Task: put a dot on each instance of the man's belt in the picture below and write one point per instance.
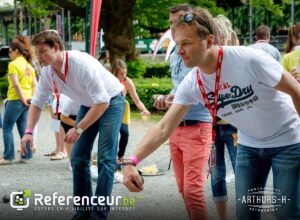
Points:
(189, 123)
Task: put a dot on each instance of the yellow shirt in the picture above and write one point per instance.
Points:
(19, 66)
(126, 117)
(291, 60)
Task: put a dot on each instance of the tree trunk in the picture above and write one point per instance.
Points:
(117, 23)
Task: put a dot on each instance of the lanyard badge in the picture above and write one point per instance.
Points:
(212, 109)
(56, 93)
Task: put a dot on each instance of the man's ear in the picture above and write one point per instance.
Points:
(56, 47)
(210, 40)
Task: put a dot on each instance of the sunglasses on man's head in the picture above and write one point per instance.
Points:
(189, 17)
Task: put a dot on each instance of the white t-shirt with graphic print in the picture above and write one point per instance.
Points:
(264, 116)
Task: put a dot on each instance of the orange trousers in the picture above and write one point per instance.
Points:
(190, 149)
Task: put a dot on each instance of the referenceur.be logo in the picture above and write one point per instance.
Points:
(20, 200)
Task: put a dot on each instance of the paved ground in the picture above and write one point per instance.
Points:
(160, 199)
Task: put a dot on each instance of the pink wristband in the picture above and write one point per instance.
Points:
(29, 130)
(134, 159)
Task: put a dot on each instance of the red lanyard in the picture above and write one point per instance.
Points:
(56, 93)
(213, 111)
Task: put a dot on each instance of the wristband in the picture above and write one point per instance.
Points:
(134, 159)
(29, 130)
(30, 133)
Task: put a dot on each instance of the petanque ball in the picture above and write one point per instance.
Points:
(5, 199)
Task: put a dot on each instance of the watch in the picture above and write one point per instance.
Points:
(78, 130)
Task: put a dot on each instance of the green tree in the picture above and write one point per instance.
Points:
(153, 16)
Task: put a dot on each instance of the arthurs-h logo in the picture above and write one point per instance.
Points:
(20, 200)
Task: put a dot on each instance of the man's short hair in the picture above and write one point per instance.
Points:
(180, 7)
(202, 19)
(48, 37)
(262, 32)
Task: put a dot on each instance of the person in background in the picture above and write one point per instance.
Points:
(263, 36)
(293, 41)
(60, 152)
(225, 132)
(68, 117)
(21, 87)
(291, 60)
(36, 66)
(119, 69)
(191, 140)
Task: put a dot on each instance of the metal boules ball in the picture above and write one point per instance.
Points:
(5, 199)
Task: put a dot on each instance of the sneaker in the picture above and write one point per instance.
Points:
(5, 162)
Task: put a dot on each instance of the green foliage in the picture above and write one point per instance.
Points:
(39, 8)
(141, 68)
(274, 13)
(158, 70)
(136, 68)
(3, 86)
(81, 3)
(154, 17)
(146, 88)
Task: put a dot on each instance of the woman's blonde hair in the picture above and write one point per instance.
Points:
(227, 35)
(118, 64)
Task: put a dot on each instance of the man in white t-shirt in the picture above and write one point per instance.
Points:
(82, 78)
(257, 96)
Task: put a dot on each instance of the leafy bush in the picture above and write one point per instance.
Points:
(3, 86)
(146, 88)
(159, 70)
(140, 68)
(136, 68)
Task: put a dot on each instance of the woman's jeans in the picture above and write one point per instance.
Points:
(124, 135)
(15, 112)
(224, 136)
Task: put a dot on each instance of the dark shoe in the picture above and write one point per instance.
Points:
(80, 216)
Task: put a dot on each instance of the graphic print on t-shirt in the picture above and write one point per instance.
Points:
(238, 98)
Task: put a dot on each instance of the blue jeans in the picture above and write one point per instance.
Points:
(218, 172)
(124, 135)
(15, 112)
(252, 168)
(108, 127)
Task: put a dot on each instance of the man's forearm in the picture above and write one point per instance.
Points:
(33, 116)
(92, 115)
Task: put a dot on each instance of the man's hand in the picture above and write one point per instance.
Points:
(132, 179)
(169, 100)
(27, 138)
(159, 102)
(72, 136)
